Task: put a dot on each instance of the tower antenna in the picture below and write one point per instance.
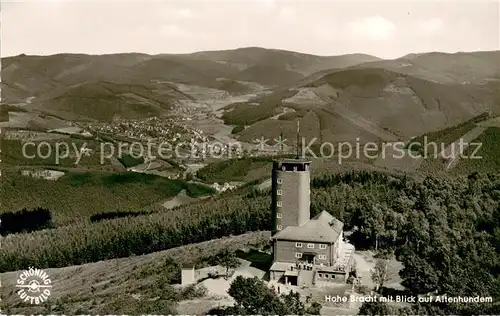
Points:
(298, 131)
(281, 140)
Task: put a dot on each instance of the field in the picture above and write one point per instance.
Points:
(245, 169)
(78, 195)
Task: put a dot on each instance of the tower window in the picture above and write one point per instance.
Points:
(279, 215)
(298, 244)
(298, 255)
(322, 257)
(279, 204)
(310, 246)
(279, 192)
(279, 180)
(279, 227)
(322, 246)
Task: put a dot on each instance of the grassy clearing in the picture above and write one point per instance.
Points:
(244, 169)
(77, 196)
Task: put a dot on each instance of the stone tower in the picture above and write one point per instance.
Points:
(290, 193)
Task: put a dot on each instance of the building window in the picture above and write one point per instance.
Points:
(298, 255)
(322, 246)
(322, 257)
(279, 192)
(320, 275)
(280, 181)
(279, 227)
(279, 204)
(298, 244)
(279, 215)
(327, 276)
(311, 246)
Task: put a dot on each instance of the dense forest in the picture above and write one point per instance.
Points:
(446, 231)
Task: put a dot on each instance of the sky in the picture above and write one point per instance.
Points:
(384, 29)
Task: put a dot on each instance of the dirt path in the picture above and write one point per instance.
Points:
(364, 263)
(180, 199)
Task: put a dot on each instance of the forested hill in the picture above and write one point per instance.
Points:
(446, 232)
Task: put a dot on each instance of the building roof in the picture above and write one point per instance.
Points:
(280, 266)
(321, 228)
(292, 272)
(327, 217)
(292, 160)
(188, 266)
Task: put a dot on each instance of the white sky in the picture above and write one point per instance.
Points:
(328, 27)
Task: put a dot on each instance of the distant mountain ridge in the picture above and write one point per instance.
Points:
(461, 68)
(34, 74)
(58, 82)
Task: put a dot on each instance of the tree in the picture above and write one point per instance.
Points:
(253, 297)
(314, 309)
(372, 221)
(380, 274)
(380, 308)
(228, 260)
(375, 308)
